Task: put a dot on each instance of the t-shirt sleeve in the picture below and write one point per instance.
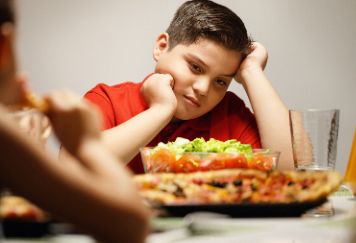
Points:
(99, 97)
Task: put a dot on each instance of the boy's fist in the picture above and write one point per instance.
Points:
(158, 90)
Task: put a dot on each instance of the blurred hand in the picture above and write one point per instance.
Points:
(31, 121)
(158, 90)
(255, 59)
(74, 120)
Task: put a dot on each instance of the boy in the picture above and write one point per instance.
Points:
(205, 47)
(85, 191)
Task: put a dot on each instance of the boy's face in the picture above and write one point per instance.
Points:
(202, 72)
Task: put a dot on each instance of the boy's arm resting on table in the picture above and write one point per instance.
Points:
(95, 193)
(126, 139)
(271, 113)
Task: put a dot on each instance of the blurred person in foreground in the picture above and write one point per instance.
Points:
(93, 191)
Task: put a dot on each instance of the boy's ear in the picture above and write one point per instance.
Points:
(161, 45)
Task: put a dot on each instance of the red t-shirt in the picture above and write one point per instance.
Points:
(230, 119)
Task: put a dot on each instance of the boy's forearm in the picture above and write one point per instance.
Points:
(126, 139)
(271, 115)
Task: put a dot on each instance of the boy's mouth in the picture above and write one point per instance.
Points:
(192, 100)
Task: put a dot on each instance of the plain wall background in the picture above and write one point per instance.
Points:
(75, 44)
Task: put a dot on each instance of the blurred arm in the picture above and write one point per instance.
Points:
(90, 190)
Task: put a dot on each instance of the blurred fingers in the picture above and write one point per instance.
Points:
(62, 100)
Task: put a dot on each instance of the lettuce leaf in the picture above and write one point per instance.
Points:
(183, 145)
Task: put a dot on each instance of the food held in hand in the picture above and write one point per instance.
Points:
(33, 101)
(184, 156)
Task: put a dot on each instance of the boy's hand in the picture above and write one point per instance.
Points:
(256, 59)
(74, 120)
(158, 90)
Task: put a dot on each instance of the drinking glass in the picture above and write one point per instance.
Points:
(314, 138)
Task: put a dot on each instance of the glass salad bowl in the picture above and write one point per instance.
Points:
(183, 156)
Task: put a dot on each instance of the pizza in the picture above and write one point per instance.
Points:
(18, 208)
(232, 186)
(33, 101)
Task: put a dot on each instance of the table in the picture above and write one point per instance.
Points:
(206, 228)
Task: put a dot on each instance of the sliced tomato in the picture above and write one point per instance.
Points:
(237, 161)
(212, 164)
(186, 163)
(261, 162)
(160, 161)
(256, 162)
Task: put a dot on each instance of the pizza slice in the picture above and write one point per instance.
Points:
(33, 101)
(18, 208)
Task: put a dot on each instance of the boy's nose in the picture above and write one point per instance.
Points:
(201, 86)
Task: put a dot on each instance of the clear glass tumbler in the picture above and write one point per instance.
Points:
(314, 138)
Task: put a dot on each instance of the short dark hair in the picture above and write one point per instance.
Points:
(205, 19)
(6, 11)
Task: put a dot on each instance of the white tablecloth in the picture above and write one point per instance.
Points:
(339, 228)
(208, 228)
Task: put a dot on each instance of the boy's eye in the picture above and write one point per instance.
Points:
(195, 68)
(221, 83)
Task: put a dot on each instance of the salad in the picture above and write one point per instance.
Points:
(184, 155)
